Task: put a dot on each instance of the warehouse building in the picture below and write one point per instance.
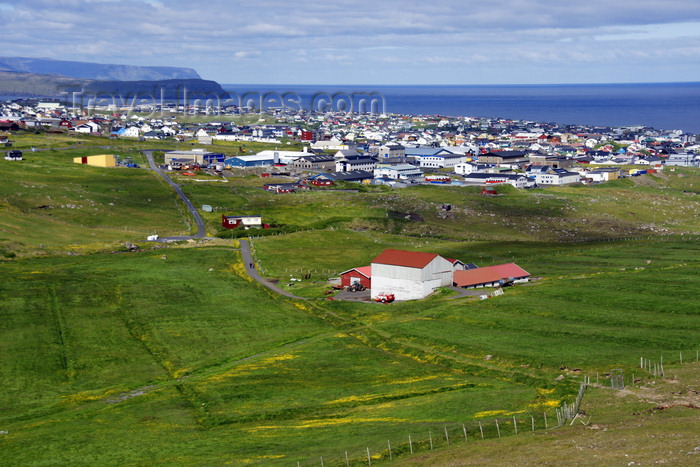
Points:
(409, 275)
(101, 160)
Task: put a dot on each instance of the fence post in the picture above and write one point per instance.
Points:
(464, 428)
(546, 427)
(481, 429)
(533, 422)
(389, 443)
(410, 443)
(515, 425)
(430, 433)
(369, 458)
(498, 428)
(447, 437)
(347, 461)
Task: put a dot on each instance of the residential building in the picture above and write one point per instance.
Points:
(351, 163)
(245, 222)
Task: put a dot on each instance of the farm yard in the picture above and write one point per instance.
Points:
(172, 354)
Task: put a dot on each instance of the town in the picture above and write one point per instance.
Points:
(395, 150)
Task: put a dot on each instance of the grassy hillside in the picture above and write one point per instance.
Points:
(648, 205)
(174, 356)
(47, 201)
(649, 423)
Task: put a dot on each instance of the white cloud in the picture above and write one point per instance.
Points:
(400, 39)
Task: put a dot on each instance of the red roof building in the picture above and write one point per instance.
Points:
(490, 276)
(361, 275)
(409, 259)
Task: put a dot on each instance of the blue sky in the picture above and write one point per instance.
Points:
(370, 42)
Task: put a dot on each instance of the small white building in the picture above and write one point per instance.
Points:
(442, 159)
(466, 168)
(603, 175)
(333, 144)
(409, 275)
(557, 177)
(398, 171)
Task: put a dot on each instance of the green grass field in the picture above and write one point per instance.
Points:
(173, 356)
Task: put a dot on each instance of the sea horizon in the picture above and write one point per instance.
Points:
(663, 106)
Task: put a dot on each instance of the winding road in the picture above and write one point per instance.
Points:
(201, 229)
(202, 232)
(252, 272)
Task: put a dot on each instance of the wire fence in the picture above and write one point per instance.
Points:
(442, 435)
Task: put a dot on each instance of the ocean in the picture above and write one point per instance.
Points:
(664, 106)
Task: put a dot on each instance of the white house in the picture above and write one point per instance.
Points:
(87, 127)
(13, 155)
(131, 132)
(557, 177)
(466, 168)
(409, 275)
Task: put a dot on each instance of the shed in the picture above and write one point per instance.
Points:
(13, 155)
(409, 275)
(361, 275)
(490, 276)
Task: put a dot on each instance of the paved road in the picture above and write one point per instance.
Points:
(201, 229)
(252, 272)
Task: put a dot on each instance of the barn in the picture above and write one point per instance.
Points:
(491, 276)
(361, 275)
(409, 275)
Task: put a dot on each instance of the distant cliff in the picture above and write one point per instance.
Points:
(97, 71)
(35, 85)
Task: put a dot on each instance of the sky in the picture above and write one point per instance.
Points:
(370, 42)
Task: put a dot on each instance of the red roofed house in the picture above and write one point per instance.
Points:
(246, 222)
(361, 275)
(490, 276)
(409, 275)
